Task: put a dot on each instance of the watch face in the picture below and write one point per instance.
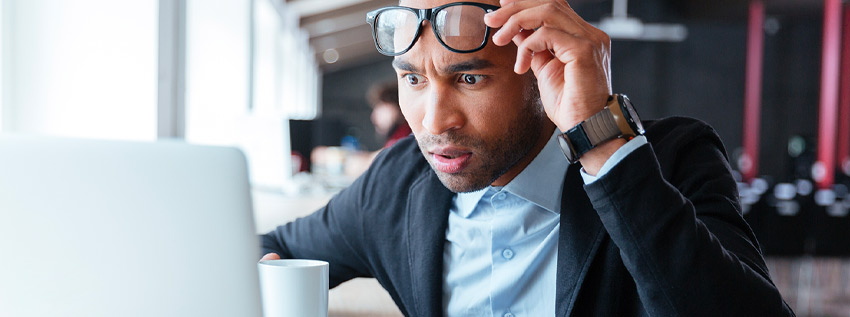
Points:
(566, 148)
(634, 119)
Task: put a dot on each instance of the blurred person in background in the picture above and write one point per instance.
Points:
(386, 113)
(390, 126)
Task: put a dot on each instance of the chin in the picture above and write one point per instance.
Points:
(459, 183)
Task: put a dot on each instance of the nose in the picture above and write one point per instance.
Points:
(442, 113)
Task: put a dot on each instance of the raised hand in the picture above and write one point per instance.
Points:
(570, 58)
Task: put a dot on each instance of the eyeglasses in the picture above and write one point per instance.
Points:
(458, 26)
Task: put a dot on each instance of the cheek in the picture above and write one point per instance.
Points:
(496, 108)
(410, 109)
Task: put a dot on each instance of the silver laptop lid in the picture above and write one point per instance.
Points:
(106, 228)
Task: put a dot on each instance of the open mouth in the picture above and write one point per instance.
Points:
(450, 161)
(449, 156)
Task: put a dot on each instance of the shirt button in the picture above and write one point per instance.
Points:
(508, 254)
(509, 315)
(501, 196)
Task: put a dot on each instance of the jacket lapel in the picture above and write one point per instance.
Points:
(579, 238)
(428, 211)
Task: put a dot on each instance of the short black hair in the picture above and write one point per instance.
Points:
(386, 92)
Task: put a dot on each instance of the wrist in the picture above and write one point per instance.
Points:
(593, 160)
(578, 114)
(617, 120)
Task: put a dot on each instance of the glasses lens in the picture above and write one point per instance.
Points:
(462, 27)
(395, 29)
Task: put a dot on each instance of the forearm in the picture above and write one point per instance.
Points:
(687, 256)
(329, 234)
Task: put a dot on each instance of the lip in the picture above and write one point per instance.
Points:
(450, 159)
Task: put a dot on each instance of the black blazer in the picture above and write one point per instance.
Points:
(660, 234)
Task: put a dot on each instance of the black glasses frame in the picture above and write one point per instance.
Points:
(427, 14)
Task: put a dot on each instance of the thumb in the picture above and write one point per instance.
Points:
(270, 256)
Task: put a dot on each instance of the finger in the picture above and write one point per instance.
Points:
(546, 15)
(532, 60)
(540, 59)
(270, 256)
(497, 18)
(568, 9)
(521, 36)
(547, 39)
(511, 7)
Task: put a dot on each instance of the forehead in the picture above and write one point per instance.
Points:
(424, 4)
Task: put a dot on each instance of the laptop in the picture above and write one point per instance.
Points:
(108, 228)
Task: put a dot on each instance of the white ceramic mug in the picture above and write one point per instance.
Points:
(294, 288)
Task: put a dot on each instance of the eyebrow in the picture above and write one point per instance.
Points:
(404, 65)
(465, 66)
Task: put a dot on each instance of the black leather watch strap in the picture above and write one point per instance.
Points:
(617, 119)
(585, 136)
(578, 141)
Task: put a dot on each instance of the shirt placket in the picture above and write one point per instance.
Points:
(502, 253)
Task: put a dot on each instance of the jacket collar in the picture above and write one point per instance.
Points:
(579, 238)
(428, 213)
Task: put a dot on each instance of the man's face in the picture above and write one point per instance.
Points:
(473, 117)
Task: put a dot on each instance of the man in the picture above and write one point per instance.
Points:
(486, 217)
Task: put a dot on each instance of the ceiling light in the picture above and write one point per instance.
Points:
(330, 56)
(622, 27)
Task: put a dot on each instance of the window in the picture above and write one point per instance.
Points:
(233, 73)
(84, 68)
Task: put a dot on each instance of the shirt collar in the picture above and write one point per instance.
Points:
(540, 182)
(466, 202)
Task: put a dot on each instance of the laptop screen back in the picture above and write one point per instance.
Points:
(106, 228)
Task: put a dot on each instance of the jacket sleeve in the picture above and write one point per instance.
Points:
(682, 238)
(333, 234)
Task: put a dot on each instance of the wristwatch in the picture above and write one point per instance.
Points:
(617, 120)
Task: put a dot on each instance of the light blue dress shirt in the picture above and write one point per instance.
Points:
(501, 249)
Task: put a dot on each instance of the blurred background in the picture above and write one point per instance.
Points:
(289, 82)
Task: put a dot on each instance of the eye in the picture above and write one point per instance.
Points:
(471, 79)
(414, 79)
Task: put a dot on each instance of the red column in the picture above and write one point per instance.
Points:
(843, 157)
(752, 91)
(824, 170)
